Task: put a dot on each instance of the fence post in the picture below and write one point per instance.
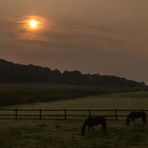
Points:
(16, 112)
(40, 114)
(116, 114)
(65, 114)
(89, 112)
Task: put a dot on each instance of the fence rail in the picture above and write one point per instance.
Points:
(63, 114)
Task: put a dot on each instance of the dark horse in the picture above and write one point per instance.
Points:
(94, 120)
(135, 115)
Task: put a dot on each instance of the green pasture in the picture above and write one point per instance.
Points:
(67, 134)
(131, 100)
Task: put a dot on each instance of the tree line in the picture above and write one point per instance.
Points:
(18, 73)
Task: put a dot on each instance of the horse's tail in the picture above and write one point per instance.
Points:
(84, 125)
(128, 120)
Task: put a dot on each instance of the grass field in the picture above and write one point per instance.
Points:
(62, 134)
(66, 134)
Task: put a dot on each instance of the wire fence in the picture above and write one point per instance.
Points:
(63, 114)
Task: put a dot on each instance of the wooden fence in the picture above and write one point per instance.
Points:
(62, 114)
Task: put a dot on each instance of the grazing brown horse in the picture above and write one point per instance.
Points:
(135, 115)
(94, 120)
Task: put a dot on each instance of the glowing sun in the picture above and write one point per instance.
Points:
(33, 24)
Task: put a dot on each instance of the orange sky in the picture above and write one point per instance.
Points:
(97, 36)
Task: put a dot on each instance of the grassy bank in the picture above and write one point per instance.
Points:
(30, 93)
(130, 100)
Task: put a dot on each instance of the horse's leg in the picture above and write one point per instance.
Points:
(92, 127)
(142, 120)
(89, 128)
(134, 121)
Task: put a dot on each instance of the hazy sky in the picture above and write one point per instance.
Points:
(95, 36)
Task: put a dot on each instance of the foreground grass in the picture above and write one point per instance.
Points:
(62, 134)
